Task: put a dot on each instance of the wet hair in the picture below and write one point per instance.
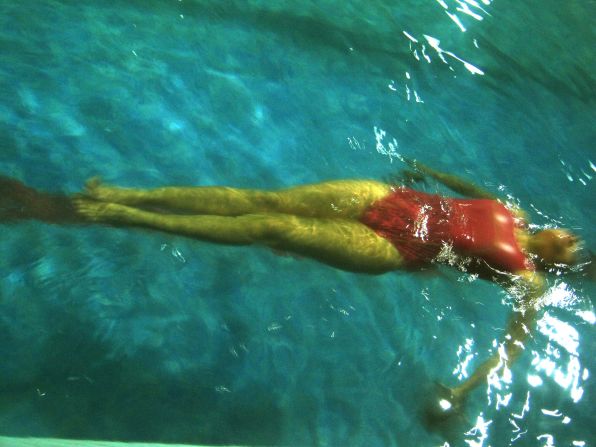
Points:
(556, 247)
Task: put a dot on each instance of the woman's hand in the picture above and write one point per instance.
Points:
(444, 408)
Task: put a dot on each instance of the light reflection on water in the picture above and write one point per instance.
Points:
(462, 124)
(557, 362)
(560, 360)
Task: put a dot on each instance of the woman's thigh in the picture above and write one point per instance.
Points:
(345, 199)
(345, 244)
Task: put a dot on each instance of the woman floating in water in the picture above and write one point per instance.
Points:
(355, 225)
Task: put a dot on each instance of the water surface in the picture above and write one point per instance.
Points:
(138, 336)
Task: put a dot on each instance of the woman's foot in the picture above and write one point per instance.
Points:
(97, 190)
(94, 211)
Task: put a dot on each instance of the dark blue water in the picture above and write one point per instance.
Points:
(138, 336)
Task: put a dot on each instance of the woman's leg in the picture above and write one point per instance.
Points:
(341, 198)
(340, 243)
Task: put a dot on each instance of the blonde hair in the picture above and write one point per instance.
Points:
(555, 246)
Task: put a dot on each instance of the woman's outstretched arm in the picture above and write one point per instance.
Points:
(453, 182)
(531, 287)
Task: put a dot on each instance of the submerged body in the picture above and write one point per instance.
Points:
(362, 226)
(356, 225)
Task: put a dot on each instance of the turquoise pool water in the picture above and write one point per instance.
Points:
(130, 335)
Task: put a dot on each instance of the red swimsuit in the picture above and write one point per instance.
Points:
(420, 225)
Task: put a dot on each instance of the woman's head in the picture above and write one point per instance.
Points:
(555, 246)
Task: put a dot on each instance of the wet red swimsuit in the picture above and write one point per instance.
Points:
(420, 225)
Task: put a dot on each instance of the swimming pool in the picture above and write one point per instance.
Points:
(136, 336)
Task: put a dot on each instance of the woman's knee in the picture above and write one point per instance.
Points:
(270, 229)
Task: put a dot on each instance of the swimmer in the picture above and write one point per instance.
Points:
(355, 225)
